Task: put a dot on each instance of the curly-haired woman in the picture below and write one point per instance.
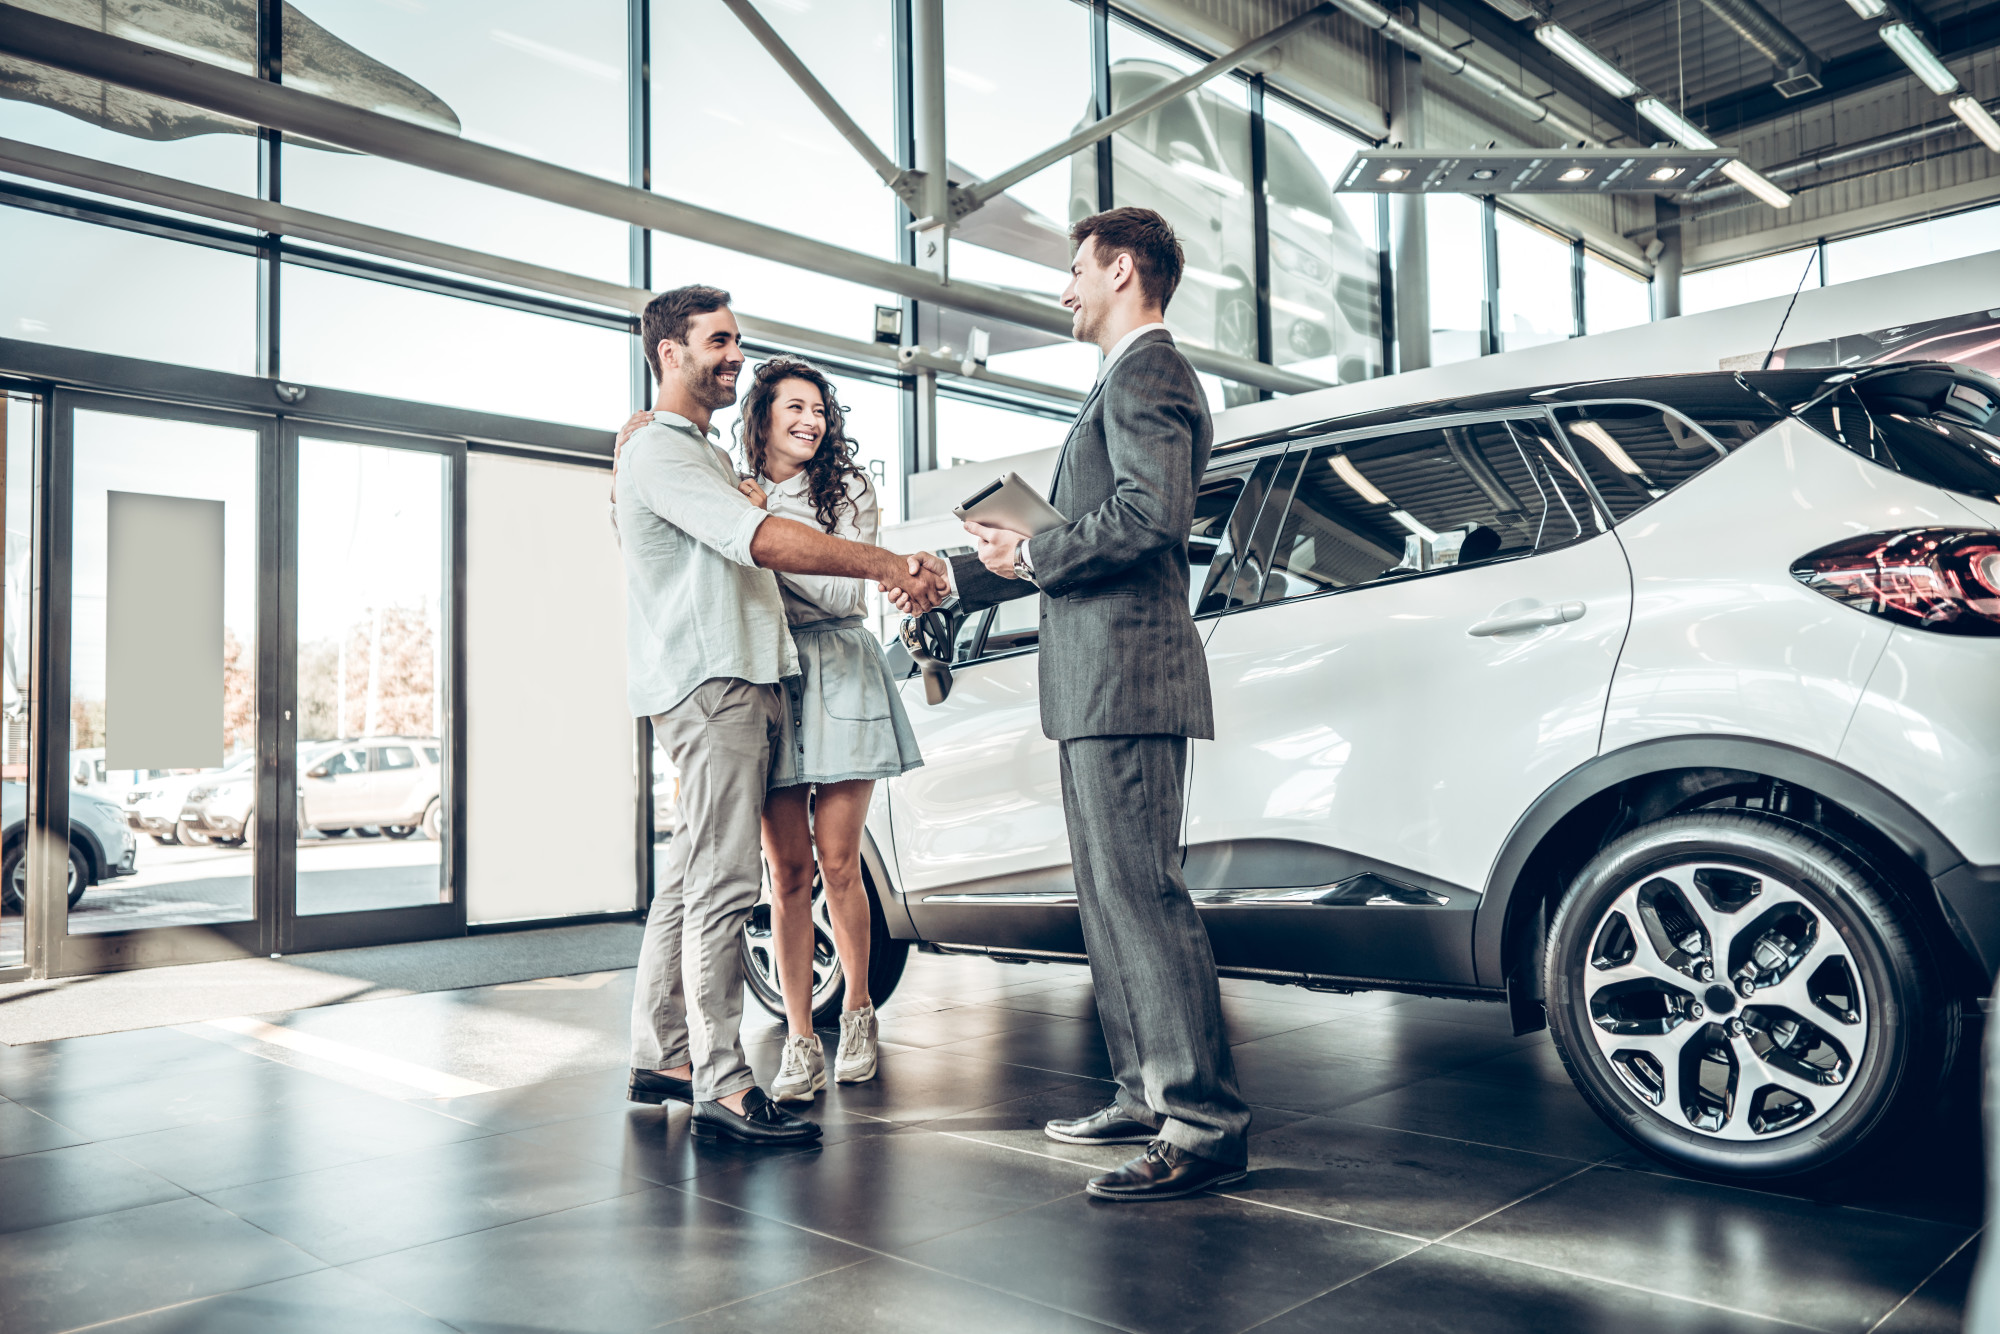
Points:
(844, 725)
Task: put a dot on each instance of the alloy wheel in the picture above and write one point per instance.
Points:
(760, 958)
(1727, 1000)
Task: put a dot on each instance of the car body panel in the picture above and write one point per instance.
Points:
(1723, 638)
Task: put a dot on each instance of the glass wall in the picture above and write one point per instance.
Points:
(19, 423)
(1537, 300)
(1751, 280)
(1931, 241)
(1455, 239)
(163, 654)
(1326, 277)
(372, 594)
(1613, 296)
(974, 432)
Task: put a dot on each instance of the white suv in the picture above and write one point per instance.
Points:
(1665, 708)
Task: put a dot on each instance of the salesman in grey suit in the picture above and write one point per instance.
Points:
(1124, 684)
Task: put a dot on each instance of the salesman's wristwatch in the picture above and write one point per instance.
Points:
(1024, 568)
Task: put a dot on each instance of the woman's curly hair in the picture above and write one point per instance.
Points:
(828, 469)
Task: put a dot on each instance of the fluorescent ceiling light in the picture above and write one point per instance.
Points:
(1414, 524)
(1906, 42)
(1869, 9)
(1977, 119)
(1748, 178)
(1608, 447)
(1575, 174)
(1586, 61)
(1678, 128)
(1352, 476)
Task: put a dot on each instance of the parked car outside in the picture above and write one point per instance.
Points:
(389, 783)
(100, 846)
(156, 807)
(222, 806)
(1659, 710)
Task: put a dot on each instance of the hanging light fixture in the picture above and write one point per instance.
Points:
(1585, 61)
(1977, 119)
(1908, 43)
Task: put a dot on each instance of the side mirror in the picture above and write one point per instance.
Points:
(917, 643)
(317, 771)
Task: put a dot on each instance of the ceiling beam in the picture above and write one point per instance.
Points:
(1517, 44)
(1842, 76)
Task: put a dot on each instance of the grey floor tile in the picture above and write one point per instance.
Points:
(112, 1265)
(1424, 1047)
(1196, 1265)
(887, 1296)
(924, 1083)
(1067, 1046)
(25, 1130)
(958, 1024)
(538, 1104)
(343, 1127)
(1277, 1072)
(1829, 1267)
(1442, 1289)
(654, 1143)
(1938, 1307)
(631, 1263)
(329, 1301)
(893, 1191)
(1531, 1114)
(348, 1213)
(37, 1189)
(222, 1093)
(73, 1064)
(1392, 1179)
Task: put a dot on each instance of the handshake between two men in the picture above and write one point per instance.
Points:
(997, 550)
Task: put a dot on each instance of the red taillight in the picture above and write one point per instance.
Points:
(1943, 579)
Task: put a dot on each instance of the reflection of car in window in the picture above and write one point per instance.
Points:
(1649, 709)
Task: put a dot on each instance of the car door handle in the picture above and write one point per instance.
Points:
(1534, 618)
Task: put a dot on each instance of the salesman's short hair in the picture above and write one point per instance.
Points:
(667, 316)
(1147, 238)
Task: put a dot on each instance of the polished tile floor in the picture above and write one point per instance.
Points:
(1414, 1167)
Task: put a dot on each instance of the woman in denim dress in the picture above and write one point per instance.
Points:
(844, 725)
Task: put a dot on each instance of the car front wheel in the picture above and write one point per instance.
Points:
(14, 876)
(1743, 995)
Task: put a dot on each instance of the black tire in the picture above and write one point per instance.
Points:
(188, 836)
(433, 822)
(398, 830)
(887, 958)
(13, 874)
(333, 833)
(1676, 1060)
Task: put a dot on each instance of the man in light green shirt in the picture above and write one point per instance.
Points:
(706, 648)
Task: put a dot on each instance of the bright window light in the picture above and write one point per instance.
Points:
(1352, 476)
(1596, 68)
(1678, 128)
(1908, 43)
(1608, 447)
(1748, 178)
(1977, 119)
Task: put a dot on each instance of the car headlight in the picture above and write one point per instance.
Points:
(1294, 258)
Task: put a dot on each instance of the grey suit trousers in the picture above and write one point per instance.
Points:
(687, 1000)
(1149, 954)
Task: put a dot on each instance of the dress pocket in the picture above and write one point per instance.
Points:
(853, 683)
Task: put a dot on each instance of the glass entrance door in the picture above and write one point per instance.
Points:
(145, 832)
(372, 831)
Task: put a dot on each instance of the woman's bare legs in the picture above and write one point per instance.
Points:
(788, 851)
(837, 819)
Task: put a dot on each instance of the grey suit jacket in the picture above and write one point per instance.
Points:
(1120, 655)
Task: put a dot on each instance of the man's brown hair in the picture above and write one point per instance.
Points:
(667, 316)
(1146, 237)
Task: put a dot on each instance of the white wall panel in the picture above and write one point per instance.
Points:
(162, 632)
(551, 782)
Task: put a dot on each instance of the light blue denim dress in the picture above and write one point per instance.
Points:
(843, 715)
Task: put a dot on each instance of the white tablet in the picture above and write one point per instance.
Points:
(1012, 504)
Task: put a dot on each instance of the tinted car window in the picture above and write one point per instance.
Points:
(346, 762)
(395, 757)
(1225, 515)
(1420, 501)
(1922, 423)
(431, 754)
(1636, 452)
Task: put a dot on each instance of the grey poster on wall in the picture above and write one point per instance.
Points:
(162, 632)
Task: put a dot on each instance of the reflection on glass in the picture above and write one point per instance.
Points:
(732, 132)
(372, 562)
(142, 852)
(1751, 280)
(970, 432)
(1931, 241)
(105, 290)
(1613, 296)
(1190, 161)
(545, 81)
(19, 417)
(1326, 282)
(62, 111)
(350, 333)
(1454, 240)
(1536, 300)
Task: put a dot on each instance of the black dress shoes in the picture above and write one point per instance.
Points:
(761, 1122)
(1106, 1126)
(1163, 1172)
(653, 1087)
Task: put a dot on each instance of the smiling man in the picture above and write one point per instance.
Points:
(706, 646)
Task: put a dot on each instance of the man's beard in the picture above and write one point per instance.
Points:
(1084, 326)
(705, 389)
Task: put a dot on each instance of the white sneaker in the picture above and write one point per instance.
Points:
(854, 1063)
(803, 1071)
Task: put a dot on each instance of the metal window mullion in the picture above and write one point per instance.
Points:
(1385, 291)
(639, 165)
(1260, 225)
(1579, 316)
(1489, 234)
(904, 113)
(275, 860)
(49, 689)
(1100, 91)
(270, 39)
